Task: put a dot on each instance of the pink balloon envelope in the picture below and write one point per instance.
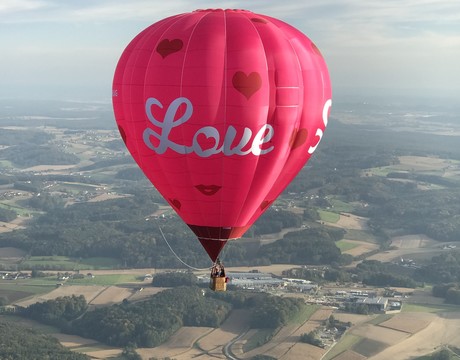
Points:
(221, 109)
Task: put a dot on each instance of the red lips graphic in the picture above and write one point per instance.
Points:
(208, 190)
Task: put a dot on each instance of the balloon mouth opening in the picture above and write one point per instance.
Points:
(213, 239)
(213, 247)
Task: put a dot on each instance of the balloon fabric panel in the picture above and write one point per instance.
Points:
(221, 109)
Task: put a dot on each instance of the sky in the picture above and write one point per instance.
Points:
(67, 49)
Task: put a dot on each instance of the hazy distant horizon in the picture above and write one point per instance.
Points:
(339, 95)
(53, 49)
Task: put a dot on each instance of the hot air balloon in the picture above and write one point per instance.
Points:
(221, 109)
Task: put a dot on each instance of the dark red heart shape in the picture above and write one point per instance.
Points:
(167, 47)
(206, 142)
(298, 138)
(265, 204)
(176, 203)
(247, 84)
(259, 20)
(122, 133)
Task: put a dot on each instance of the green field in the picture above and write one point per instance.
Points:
(6, 164)
(344, 245)
(105, 280)
(428, 308)
(262, 336)
(22, 211)
(360, 235)
(304, 314)
(369, 347)
(345, 343)
(74, 187)
(379, 319)
(328, 216)
(341, 206)
(65, 263)
(14, 290)
(44, 329)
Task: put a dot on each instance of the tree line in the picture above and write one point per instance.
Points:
(151, 322)
(368, 272)
(23, 343)
(124, 228)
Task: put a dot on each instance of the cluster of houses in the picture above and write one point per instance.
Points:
(258, 281)
(375, 303)
(8, 275)
(255, 280)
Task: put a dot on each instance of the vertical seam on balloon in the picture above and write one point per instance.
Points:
(301, 81)
(242, 210)
(193, 193)
(138, 47)
(172, 21)
(222, 169)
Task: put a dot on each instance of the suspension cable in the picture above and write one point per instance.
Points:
(177, 256)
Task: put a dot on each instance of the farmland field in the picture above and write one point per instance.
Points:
(328, 216)
(379, 337)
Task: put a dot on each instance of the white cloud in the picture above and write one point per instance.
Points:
(8, 7)
(366, 43)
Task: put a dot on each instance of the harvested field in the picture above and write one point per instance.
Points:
(145, 293)
(57, 169)
(417, 246)
(10, 252)
(111, 295)
(368, 347)
(104, 197)
(350, 221)
(10, 255)
(95, 295)
(374, 332)
(270, 238)
(362, 247)
(16, 224)
(304, 352)
(422, 163)
(285, 345)
(439, 331)
(350, 355)
(413, 241)
(278, 346)
(102, 354)
(276, 269)
(355, 319)
(179, 346)
(89, 292)
(235, 325)
(407, 322)
(72, 341)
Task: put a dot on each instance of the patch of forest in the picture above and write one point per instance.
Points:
(23, 343)
(125, 229)
(28, 155)
(367, 272)
(151, 322)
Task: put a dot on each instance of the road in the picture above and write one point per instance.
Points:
(227, 348)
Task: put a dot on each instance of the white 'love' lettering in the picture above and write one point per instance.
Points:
(319, 132)
(263, 136)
